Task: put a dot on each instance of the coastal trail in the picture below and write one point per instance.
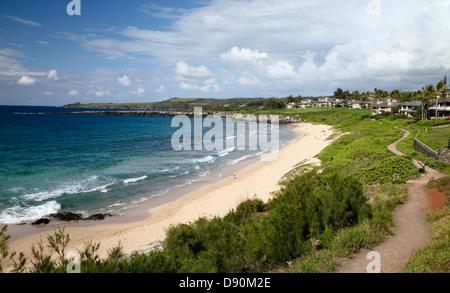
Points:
(410, 232)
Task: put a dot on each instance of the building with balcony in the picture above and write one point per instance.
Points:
(441, 107)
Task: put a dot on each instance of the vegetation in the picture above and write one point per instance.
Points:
(435, 257)
(436, 138)
(274, 104)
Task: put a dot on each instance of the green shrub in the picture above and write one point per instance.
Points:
(387, 170)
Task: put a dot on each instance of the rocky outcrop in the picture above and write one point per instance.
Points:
(282, 119)
(66, 216)
(69, 217)
(41, 222)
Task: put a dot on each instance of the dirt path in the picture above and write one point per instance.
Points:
(410, 231)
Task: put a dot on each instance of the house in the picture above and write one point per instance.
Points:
(355, 104)
(306, 103)
(409, 108)
(338, 102)
(381, 108)
(443, 108)
(327, 102)
(291, 105)
(387, 101)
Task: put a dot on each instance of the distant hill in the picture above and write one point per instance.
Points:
(185, 104)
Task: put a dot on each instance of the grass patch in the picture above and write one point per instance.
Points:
(435, 138)
(406, 146)
(435, 257)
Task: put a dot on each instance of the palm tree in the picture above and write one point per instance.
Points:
(424, 96)
(364, 99)
(439, 92)
(396, 94)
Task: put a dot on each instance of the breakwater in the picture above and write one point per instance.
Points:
(282, 119)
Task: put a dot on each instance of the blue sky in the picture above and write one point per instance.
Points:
(139, 51)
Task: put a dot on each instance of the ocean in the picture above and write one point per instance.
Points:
(95, 164)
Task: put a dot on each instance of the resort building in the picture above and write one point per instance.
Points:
(443, 109)
(306, 103)
(381, 108)
(355, 104)
(409, 108)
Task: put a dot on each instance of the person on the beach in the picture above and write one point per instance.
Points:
(220, 174)
(234, 177)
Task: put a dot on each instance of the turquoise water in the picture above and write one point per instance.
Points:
(93, 163)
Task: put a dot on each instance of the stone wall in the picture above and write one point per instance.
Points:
(442, 155)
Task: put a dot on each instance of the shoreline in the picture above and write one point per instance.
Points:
(146, 224)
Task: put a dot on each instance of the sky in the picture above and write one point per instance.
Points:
(148, 51)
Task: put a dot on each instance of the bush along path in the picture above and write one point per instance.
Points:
(409, 234)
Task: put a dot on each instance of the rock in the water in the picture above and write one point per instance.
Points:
(66, 216)
(97, 217)
(41, 221)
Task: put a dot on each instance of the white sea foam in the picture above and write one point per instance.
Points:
(16, 189)
(89, 185)
(102, 189)
(225, 152)
(240, 159)
(116, 205)
(131, 180)
(17, 214)
(203, 160)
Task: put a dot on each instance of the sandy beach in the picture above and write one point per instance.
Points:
(143, 226)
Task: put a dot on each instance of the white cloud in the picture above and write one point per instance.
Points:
(159, 11)
(23, 21)
(124, 80)
(73, 93)
(11, 52)
(53, 74)
(195, 78)
(98, 93)
(237, 55)
(11, 68)
(140, 91)
(248, 79)
(101, 93)
(191, 72)
(161, 89)
(26, 80)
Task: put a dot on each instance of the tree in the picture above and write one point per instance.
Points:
(439, 92)
(356, 95)
(425, 95)
(274, 104)
(338, 94)
(364, 99)
(290, 99)
(397, 95)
